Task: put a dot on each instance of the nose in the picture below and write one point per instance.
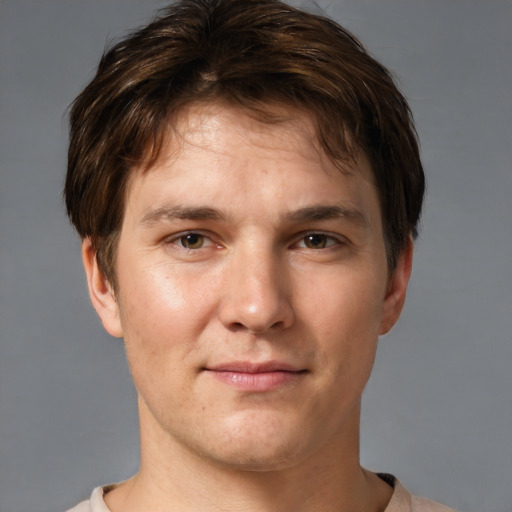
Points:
(257, 294)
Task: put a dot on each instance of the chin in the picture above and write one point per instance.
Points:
(260, 449)
(256, 461)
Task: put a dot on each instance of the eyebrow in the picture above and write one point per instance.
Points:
(170, 213)
(307, 214)
(326, 212)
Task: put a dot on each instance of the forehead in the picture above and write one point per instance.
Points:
(273, 127)
(269, 129)
(252, 154)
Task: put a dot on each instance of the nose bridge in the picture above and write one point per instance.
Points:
(257, 292)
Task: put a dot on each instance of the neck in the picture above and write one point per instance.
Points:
(173, 477)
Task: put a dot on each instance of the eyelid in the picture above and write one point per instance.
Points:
(175, 238)
(337, 238)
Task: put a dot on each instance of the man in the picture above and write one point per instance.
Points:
(247, 184)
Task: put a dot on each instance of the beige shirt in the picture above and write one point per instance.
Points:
(401, 501)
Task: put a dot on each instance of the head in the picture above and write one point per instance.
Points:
(251, 54)
(246, 180)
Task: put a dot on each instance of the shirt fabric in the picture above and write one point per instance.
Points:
(401, 500)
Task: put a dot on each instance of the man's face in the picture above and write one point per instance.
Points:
(252, 287)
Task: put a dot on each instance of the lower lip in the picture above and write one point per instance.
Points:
(257, 382)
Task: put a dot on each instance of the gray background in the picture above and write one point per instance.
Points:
(438, 409)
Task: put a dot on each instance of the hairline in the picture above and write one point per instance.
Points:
(264, 113)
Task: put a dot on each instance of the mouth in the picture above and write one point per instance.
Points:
(256, 377)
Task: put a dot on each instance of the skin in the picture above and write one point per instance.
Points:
(245, 246)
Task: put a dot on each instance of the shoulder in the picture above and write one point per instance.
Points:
(403, 501)
(95, 504)
(83, 506)
(419, 504)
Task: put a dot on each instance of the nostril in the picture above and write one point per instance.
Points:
(256, 306)
(237, 326)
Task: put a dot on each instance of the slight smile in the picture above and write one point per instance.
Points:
(260, 377)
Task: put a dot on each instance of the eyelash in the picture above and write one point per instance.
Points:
(328, 240)
(179, 239)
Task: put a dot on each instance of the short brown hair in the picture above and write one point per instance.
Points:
(250, 53)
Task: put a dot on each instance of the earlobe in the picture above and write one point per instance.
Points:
(101, 292)
(397, 289)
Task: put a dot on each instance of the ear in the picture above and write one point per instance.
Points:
(101, 291)
(397, 289)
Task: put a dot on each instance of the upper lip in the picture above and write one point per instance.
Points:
(251, 367)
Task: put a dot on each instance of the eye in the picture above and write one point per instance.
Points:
(193, 241)
(317, 241)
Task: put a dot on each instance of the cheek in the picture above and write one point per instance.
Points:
(159, 297)
(343, 302)
(345, 317)
(162, 314)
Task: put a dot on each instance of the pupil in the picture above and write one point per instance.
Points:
(192, 241)
(316, 240)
